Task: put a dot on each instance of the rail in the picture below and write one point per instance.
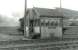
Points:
(46, 45)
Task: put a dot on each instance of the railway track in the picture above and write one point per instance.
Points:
(39, 46)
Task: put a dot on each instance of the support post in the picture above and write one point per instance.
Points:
(25, 18)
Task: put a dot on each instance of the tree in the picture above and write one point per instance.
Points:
(21, 29)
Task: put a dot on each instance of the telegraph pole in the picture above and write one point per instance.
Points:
(60, 4)
(25, 17)
(62, 17)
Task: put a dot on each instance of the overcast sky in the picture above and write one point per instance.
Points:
(69, 4)
(16, 7)
(10, 7)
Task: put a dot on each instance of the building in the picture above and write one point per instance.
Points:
(43, 23)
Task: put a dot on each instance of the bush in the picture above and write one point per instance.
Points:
(21, 29)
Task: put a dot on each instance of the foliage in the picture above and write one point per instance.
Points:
(21, 29)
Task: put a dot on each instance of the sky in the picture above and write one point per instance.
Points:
(14, 9)
(11, 7)
(69, 4)
(11, 11)
(43, 3)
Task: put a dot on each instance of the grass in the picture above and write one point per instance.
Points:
(9, 30)
(10, 33)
